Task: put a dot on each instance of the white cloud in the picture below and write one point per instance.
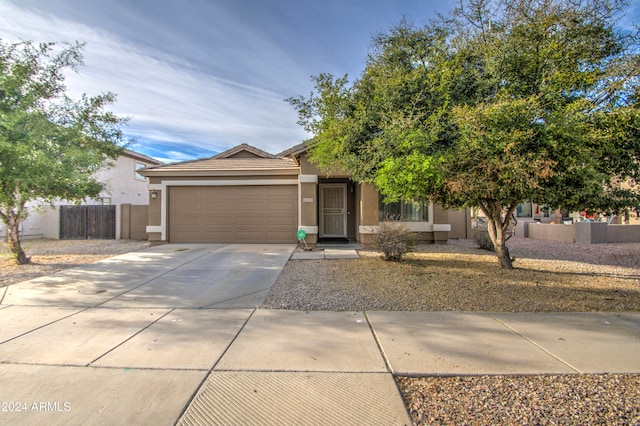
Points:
(166, 96)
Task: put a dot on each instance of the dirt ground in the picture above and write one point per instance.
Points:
(548, 277)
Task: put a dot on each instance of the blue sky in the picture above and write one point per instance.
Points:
(200, 76)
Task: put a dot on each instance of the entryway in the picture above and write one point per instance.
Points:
(333, 210)
(336, 211)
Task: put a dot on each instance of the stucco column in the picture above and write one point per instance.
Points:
(308, 206)
(154, 225)
(441, 225)
(368, 205)
(368, 220)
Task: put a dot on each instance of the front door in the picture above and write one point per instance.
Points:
(333, 210)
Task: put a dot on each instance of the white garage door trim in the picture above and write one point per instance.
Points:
(162, 188)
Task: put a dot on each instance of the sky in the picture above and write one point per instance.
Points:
(197, 77)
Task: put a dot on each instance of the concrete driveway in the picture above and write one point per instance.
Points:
(167, 276)
(127, 340)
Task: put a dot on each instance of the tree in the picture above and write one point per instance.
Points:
(50, 145)
(499, 103)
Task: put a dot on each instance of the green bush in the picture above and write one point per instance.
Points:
(394, 240)
(482, 239)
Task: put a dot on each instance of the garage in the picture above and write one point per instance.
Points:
(233, 214)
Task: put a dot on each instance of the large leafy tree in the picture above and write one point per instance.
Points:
(499, 103)
(50, 145)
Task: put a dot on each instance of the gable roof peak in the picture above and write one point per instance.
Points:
(297, 149)
(238, 149)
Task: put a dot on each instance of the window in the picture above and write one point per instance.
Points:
(404, 211)
(525, 209)
(139, 166)
(104, 201)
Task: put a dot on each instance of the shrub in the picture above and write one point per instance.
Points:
(394, 240)
(482, 239)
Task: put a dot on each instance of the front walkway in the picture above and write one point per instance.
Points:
(318, 254)
(327, 251)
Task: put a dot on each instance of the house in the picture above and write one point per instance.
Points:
(124, 186)
(246, 195)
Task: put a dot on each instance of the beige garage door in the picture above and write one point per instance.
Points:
(233, 214)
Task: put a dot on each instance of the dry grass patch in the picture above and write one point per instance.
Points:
(453, 281)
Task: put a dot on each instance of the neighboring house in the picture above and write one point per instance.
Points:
(124, 185)
(571, 227)
(246, 195)
(525, 214)
(631, 217)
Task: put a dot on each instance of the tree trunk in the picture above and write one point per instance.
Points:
(502, 252)
(497, 226)
(13, 239)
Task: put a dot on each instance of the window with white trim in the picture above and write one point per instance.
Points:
(403, 211)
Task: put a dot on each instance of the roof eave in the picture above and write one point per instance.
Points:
(137, 156)
(296, 150)
(217, 173)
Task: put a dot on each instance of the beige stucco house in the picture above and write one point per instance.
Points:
(246, 195)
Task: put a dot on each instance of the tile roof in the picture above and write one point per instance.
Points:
(141, 157)
(244, 147)
(225, 166)
(295, 150)
(222, 165)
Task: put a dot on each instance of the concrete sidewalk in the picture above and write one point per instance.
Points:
(125, 347)
(242, 366)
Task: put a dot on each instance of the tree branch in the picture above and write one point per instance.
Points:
(508, 216)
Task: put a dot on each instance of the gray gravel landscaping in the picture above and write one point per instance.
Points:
(525, 400)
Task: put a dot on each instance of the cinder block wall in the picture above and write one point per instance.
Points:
(591, 232)
(623, 233)
(585, 233)
(545, 231)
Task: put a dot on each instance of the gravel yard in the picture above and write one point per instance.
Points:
(524, 400)
(549, 277)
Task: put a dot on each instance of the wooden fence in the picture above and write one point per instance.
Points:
(87, 222)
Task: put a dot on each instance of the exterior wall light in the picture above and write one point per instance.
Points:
(154, 194)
